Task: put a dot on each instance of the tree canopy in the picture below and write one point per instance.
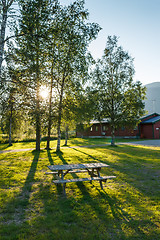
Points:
(119, 98)
(50, 48)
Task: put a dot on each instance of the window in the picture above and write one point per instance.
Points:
(103, 128)
(91, 129)
(96, 128)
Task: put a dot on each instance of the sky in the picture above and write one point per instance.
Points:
(137, 24)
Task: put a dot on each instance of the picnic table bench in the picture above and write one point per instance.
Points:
(93, 169)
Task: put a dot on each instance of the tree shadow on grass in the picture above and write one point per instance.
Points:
(118, 217)
(84, 153)
(122, 217)
(50, 157)
(4, 146)
(132, 163)
(137, 168)
(85, 215)
(16, 208)
(60, 155)
(30, 178)
(108, 219)
(133, 169)
(72, 212)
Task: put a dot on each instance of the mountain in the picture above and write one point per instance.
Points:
(152, 103)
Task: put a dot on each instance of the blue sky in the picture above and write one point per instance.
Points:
(137, 24)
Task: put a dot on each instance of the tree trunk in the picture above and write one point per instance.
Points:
(112, 135)
(38, 122)
(59, 125)
(10, 119)
(66, 135)
(59, 117)
(10, 129)
(38, 115)
(112, 118)
(2, 34)
(60, 108)
(50, 111)
(58, 139)
(38, 132)
(49, 132)
(101, 128)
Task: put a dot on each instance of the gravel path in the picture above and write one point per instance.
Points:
(17, 150)
(153, 143)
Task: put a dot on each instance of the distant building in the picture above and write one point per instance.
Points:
(149, 127)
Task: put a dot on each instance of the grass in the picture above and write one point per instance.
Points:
(31, 207)
(71, 142)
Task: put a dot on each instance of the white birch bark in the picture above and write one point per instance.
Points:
(5, 5)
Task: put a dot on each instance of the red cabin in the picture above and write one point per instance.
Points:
(149, 127)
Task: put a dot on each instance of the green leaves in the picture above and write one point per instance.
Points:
(119, 98)
(51, 48)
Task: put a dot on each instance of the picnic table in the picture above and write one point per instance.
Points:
(93, 169)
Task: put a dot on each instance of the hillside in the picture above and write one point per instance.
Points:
(152, 103)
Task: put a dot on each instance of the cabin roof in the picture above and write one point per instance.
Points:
(151, 120)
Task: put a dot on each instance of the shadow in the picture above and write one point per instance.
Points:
(17, 206)
(122, 216)
(30, 178)
(94, 158)
(136, 168)
(59, 187)
(88, 141)
(4, 146)
(79, 207)
(117, 211)
(132, 168)
(85, 153)
(50, 157)
(86, 213)
(74, 175)
(102, 210)
(60, 155)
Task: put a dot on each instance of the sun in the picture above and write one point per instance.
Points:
(44, 93)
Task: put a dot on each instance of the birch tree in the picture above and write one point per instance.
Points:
(31, 52)
(75, 34)
(119, 98)
(5, 7)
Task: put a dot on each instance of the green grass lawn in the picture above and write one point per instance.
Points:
(32, 207)
(71, 142)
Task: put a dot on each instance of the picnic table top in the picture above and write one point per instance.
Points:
(76, 166)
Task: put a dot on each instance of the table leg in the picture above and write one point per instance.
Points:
(92, 174)
(64, 184)
(98, 173)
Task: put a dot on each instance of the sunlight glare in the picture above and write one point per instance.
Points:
(44, 93)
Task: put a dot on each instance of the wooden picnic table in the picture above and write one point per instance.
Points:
(93, 169)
